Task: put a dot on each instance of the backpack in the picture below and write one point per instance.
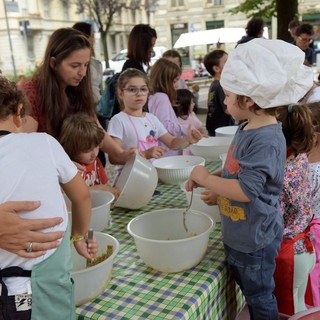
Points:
(108, 104)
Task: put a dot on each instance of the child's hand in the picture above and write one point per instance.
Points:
(209, 197)
(116, 192)
(198, 175)
(154, 152)
(127, 154)
(194, 135)
(85, 249)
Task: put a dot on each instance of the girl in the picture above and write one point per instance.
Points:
(134, 127)
(313, 292)
(164, 77)
(296, 257)
(248, 187)
(185, 113)
(80, 138)
(175, 57)
(62, 86)
(34, 166)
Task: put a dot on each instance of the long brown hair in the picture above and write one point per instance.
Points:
(162, 75)
(56, 102)
(298, 127)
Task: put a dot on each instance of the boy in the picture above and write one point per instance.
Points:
(258, 76)
(217, 116)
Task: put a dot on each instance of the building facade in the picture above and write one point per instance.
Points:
(25, 25)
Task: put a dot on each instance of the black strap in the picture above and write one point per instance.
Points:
(4, 132)
(9, 272)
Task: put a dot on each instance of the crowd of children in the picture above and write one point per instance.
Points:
(267, 191)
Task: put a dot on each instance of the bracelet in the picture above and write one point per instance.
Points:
(78, 237)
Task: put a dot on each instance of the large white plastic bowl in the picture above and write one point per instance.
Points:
(176, 169)
(100, 209)
(228, 131)
(210, 148)
(163, 243)
(137, 182)
(91, 282)
(199, 205)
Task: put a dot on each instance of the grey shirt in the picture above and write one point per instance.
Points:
(257, 159)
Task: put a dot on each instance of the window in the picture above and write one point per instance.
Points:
(215, 2)
(177, 3)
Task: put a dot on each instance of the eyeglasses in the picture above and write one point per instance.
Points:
(136, 90)
(305, 40)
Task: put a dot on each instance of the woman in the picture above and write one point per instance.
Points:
(62, 86)
(142, 39)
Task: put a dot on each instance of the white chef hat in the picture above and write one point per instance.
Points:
(270, 72)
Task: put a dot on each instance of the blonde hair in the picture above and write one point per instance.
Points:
(80, 133)
(162, 75)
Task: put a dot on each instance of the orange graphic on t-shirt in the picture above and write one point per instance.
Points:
(231, 164)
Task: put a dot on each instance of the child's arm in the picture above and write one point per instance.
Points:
(229, 188)
(78, 193)
(178, 143)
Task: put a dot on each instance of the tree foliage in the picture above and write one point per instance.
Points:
(284, 10)
(103, 13)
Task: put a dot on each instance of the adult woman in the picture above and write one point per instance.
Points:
(142, 39)
(17, 233)
(62, 87)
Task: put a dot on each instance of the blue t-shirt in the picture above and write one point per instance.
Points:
(256, 158)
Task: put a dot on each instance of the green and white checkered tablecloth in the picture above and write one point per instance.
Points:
(136, 291)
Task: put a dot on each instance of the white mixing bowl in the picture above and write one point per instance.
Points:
(137, 182)
(176, 169)
(163, 243)
(91, 282)
(228, 131)
(198, 205)
(100, 209)
(210, 148)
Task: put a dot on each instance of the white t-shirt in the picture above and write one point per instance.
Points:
(32, 166)
(147, 127)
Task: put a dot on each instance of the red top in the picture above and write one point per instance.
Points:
(94, 174)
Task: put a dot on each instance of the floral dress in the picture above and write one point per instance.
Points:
(295, 199)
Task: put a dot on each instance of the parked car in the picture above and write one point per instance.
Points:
(119, 59)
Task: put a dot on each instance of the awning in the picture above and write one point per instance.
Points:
(220, 35)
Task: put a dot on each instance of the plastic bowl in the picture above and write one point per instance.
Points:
(136, 174)
(223, 158)
(163, 243)
(228, 131)
(210, 148)
(198, 205)
(176, 169)
(100, 209)
(91, 282)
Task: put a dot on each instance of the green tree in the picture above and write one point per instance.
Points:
(102, 12)
(285, 11)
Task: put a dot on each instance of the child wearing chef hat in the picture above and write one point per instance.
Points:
(258, 77)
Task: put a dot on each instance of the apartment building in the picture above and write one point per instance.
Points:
(25, 25)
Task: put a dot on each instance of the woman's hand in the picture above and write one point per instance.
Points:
(18, 234)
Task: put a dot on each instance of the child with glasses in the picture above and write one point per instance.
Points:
(81, 137)
(135, 128)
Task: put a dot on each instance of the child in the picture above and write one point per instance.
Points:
(314, 174)
(164, 77)
(296, 256)
(256, 78)
(184, 109)
(218, 115)
(81, 138)
(34, 166)
(195, 90)
(175, 57)
(135, 128)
